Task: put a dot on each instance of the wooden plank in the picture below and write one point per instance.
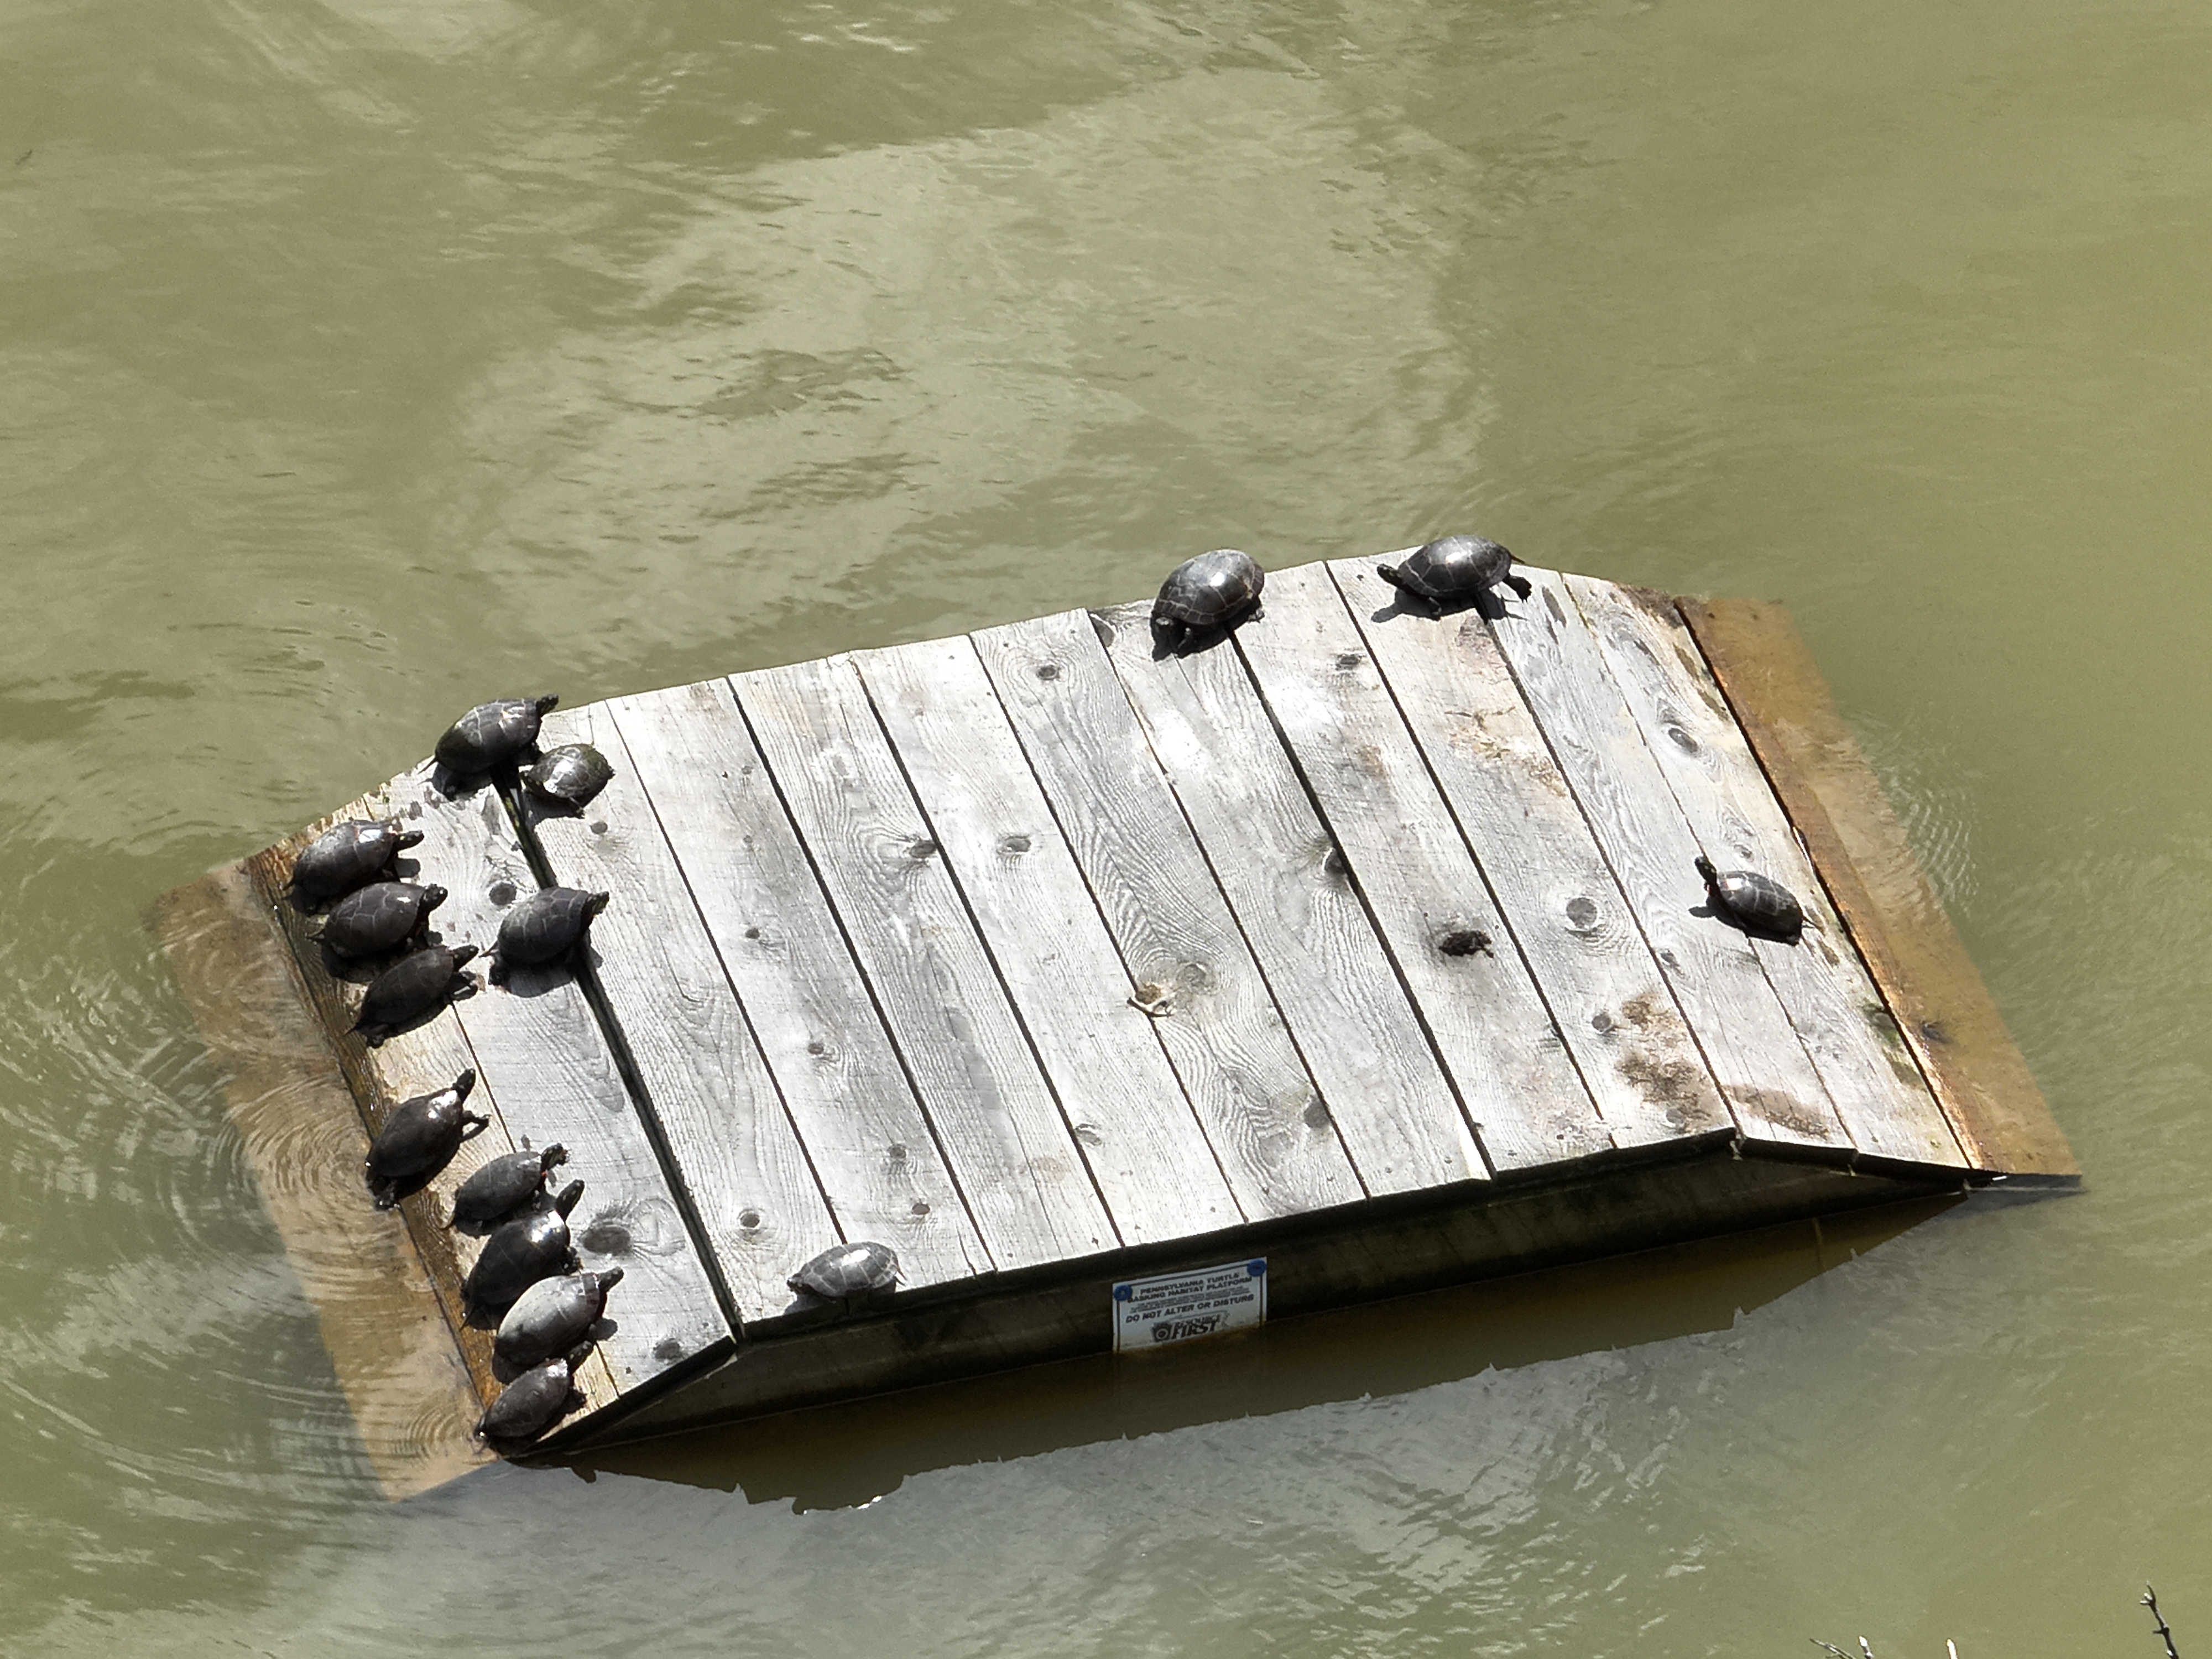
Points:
(1782, 703)
(1015, 1157)
(391, 1345)
(1764, 1071)
(1846, 1028)
(760, 909)
(1422, 885)
(1554, 887)
(1290, 891)
(1267, 1125)
(984, 808)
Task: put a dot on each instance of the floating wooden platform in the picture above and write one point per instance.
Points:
(1364, 942)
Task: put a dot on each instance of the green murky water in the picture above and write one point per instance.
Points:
(360, 360)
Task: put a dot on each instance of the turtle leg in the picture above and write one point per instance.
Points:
(1520, 585)
(496, 969)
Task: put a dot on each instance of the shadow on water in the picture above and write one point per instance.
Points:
(841, 1455)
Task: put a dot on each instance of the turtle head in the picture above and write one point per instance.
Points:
(554, 1154)
(463, 1084)
(545, 705)
(1389, 573)
(577, 1355)
(402, 836)
(609, 1279)
(433, 896)
(598, 903)
(1705, 869)
(465, 953)
(571, 1195)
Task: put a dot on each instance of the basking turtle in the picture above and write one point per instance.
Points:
(553, 1316)
(504, 1186)
(524, 1251)
(535, 1400)
(853, 1274)
(381, 917)
(570, 775)
(1759, 903)
(1453, 567)
(409, 988)
(346, 855)
(419, 1139)
(492, 734)
(543, 928)
(1213, 591)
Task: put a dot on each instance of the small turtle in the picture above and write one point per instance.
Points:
(346, 855)
(552, 1315)
(853, 1275)
(542, 928)
(1759, 903)
(570, 775)
(492, 734)
(1453, 567)
(419, 1139)
(504, 1186)
(379, 917)
(1215, 590)
(535, 1400)
(524, 1251)
(409, 988)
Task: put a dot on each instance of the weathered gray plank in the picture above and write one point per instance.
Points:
(1551, 883)
(1422, 885)
(1288, 888)
(1267, 1125)
(1846, 1028)
(1146, 1149)
(721, 1113)
(1763, 1070)
(1014, 1156)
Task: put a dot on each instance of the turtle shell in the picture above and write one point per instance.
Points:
(522, 1252)
(409, 988)
(419, 1139)
(346, 855)
(492, 734)
(543, 926)
(1757, 902)
(1214, 590)
(379, 917)
(1451, 567)
(570, 775)
(535, 1400)
(504, 1186)
(553, 1316)
(848, 1274)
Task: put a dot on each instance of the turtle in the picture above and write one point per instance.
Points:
(552, 1315)
(543, 928)
(522, 1252)
(1759, 904)
(419, 1139)
(379, 917)
(535, 1400)
(570, 775)
(1453, 567)
(1216, 590)
(492, 734)
(853, 1274)
(409, 988)
(346, 855)
(503, 1186)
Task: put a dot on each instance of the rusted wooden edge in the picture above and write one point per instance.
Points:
(390, 1343)
(1860, 849)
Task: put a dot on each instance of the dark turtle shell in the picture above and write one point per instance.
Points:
(1453, 567)
(851, 1274)
(409, 988)
(535, 1400)
(542, 927)
(504, 1186)
(492, 734)
(570, 775)
(1759, 903)
(1214, 590)
(419, 1139)
(553, 1316)
(381, 917)
(524, 1251)
(346, 855)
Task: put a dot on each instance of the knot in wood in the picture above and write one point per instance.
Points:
(921, 847)
(1014, 844)
(503, 892)
(1581, 914)
(1463, 941)
(1048, 671)
(749, 1219)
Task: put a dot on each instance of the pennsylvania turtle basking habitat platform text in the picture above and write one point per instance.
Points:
(1362, 949)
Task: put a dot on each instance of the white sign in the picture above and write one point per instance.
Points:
(1151, 1313)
